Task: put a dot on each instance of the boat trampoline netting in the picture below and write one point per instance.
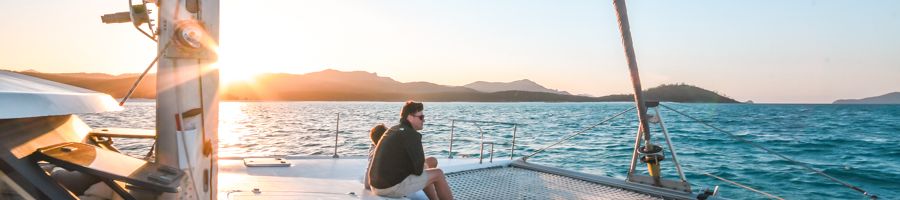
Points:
(517, 183)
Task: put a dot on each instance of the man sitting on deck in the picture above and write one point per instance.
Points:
(398, 167)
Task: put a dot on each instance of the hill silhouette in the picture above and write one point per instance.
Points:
(675, 93)
(520, 85)
(889, 98)
(333, 85)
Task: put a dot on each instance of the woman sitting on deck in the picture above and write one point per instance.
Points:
(398, 166)
(375, 134)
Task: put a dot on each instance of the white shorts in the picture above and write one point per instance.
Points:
(409, 185)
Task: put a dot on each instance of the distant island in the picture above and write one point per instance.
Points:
(520, 85)
(889, 98)
(333, 85)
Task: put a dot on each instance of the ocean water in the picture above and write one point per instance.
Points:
(859, 144)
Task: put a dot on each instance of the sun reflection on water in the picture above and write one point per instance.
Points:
(231, 115)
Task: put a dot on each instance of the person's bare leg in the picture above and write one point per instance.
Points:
(430, 192)
(431, 162)
(437, 180)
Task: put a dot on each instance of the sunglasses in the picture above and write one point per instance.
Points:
(421, 117)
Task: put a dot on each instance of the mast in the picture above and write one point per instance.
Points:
(625, 29)
(187, 88)
(631, 59)
(652, 154)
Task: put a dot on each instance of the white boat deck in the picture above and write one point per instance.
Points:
(320, 177)
(313, 178)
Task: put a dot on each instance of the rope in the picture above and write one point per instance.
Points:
(579, 132)
(180, 120)
(804, 165)
(743, 186)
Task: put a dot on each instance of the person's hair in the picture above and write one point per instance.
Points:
(409, 108)
(377, 132)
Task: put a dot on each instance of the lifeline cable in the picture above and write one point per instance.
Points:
(744, 186)
(579, 132)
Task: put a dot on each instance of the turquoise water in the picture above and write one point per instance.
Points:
(855, 143)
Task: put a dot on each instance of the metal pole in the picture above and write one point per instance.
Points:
(662, 125)
(481, 154)
(634, 154)
(482, 143)
(138, 81)
(512, 151)
(337, 125)
(451, 139)
(492, 153)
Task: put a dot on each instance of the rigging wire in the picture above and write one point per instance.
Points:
(579, 132)
(804, 165)
(744, 186)
(138, 81)
(730, 181)
(180, 120)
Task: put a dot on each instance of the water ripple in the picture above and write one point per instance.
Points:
(856, 143)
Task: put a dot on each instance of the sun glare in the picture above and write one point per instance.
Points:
(232, 70)
(229, 74)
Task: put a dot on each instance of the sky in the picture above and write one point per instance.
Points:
(771, 51)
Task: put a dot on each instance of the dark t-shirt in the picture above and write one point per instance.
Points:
(398, 155)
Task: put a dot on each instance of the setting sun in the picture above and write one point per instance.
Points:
(234, 70)
(229, 74)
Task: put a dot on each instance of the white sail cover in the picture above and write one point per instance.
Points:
(24, 96)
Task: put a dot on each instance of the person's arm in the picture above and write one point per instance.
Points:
(416, 154)
(368, 167)
(366, 181)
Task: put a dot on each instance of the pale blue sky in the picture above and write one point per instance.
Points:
(765, 51)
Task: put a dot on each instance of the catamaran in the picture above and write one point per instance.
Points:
(50, 153)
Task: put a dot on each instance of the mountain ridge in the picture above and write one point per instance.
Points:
(889, 98)
(519, 85)
(334, 85)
